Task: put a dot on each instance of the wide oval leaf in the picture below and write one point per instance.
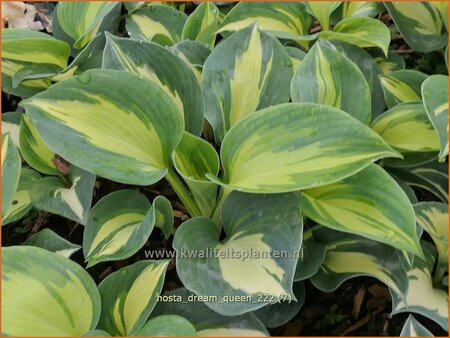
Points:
(348, 256)
(327, 77)
(361, 31)
(161, 24)
(241, 265)
(46, 294)
(129, 296)
(435, 101)
(297, 146)
(280, 19)
(81, 21)
(406, 128)
(120, 224)
(402, 86)
(248, 71)
(29, 58)
(112, 123)
(420, 23)
(171, 73)
(370, 204)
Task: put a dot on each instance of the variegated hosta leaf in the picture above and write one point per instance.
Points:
(183, 303)
(21, 203)
(406, 128)
(297, 146)
(248, 71)
(167, 325)
(435, 101)
(45, 294)
(193, 159)
(369, 204)
(81, 21)
(11, 166)
(362, 32)
(113, 123)
(322, 10)
(169, 72)
(348, 256)
(129, 296)
(33, 148)
(49, 240)
(420, 23)
(275, 315)
(74, 202)
(432, 177)
(327, 77)
(256, 226)
(312, 255)
(161, 24)
(11, 125)
(412, 328)
(360, 8)
(28, 58)
(433, 218)
(194, 54)
(367, 66)
(120, 224)
(391, 63)
(202, 24)
(420, 296)
(281, 19)
(402, 86)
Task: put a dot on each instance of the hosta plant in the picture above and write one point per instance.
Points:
(180, 169)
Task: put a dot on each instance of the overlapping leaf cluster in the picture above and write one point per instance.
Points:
(282, 127)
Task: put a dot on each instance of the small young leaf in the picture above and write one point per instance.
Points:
(129, 296)
(49, 240)
(11, 166)
(74, 202)
(120, 224)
